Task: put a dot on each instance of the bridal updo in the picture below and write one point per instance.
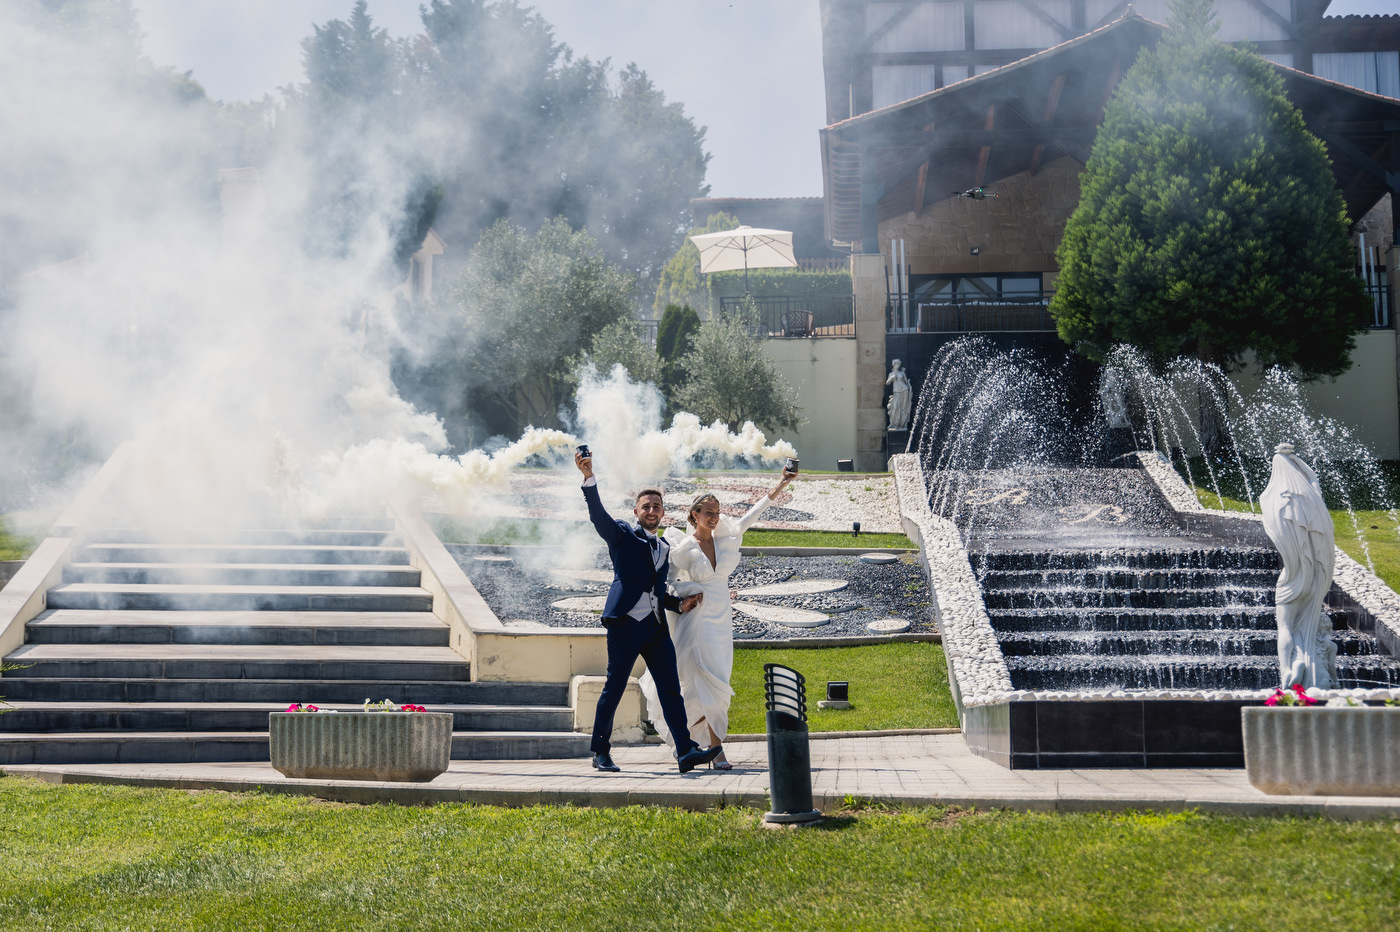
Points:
(695, 505)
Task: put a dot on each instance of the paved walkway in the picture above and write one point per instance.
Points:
(918, 769)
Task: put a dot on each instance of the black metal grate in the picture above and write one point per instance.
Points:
(784, 690)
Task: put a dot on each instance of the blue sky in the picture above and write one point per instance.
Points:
(748, 70)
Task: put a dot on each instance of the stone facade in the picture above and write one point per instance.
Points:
(1018, 231)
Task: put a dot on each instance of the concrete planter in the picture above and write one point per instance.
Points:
(388, 746)
(1322, 751)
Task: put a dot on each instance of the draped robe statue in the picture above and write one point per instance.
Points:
(1298, 523)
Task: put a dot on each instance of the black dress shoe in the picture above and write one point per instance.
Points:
(605, 763)
(694, 758)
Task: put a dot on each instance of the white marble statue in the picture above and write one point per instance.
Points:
(899, 403)
(1297, 521)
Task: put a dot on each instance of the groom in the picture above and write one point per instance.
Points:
(632, 615)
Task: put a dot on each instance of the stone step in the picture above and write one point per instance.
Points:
(1062, 599)
(235, 661)
(115, 597)
(1242, 558)
(209, 747)
(1182, 672)
(242, 574)
(243, 536)
(18, 689)
(251, 553)
(1257, 618)
(1123, 578)
(72, 626)
(248, 716)
(1202, 643)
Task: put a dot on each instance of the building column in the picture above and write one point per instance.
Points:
(868, 283)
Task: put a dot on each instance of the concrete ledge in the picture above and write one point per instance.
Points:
(24, 596)
(584, 692)
(80, 512)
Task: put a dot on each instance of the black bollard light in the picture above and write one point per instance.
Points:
(855, 528)
(789, 754)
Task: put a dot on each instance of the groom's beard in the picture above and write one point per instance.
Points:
(649, 524)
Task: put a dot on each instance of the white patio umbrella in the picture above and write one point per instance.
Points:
(745, 248)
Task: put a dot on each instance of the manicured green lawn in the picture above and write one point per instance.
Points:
(762, 538)
(14, 546)
(94, 857)
(1377, 529)
(892, 686)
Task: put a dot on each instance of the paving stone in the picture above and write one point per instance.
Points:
(879, 559)
(581, 603)
(796, 587)
(888, 626)
(781, 614)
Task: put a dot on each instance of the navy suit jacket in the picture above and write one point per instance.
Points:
(634, 570)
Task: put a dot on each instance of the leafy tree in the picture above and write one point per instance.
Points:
(680, 279)
(526, 304)
(618, 344)
(674, 336)
(1209, 223)
(729, 378)
(488, 105)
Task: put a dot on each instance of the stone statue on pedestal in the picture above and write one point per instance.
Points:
(1297, 521)
(899, 403)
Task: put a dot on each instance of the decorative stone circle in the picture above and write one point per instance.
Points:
(592, 576)
(796, 587)
(879, 559)
(581, 603)
(888, 626)
(781, 614)
(492, 558)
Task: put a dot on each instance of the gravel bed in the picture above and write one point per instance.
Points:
(521, 591)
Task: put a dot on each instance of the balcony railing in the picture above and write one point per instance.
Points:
(1381, 317)
(800, 316)
(915, 313)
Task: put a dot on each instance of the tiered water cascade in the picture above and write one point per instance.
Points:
(1130, 624)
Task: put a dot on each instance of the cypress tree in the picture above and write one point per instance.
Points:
(1209, 222)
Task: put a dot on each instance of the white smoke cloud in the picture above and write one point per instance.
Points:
(251, 369)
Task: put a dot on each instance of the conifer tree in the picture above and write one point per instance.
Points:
(1209, 222)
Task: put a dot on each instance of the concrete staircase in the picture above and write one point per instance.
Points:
(174, 645)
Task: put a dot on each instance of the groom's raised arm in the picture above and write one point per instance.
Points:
(606, 526)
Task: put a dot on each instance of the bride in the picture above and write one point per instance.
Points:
(702, 561)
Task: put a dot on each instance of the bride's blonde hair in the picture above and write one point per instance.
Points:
(695, 505)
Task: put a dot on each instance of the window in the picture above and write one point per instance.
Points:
(892, 83)
(975, 288)
(1377, 72)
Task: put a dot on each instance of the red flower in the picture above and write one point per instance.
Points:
(1272, 700)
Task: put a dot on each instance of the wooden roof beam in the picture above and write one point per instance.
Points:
(1066, 33)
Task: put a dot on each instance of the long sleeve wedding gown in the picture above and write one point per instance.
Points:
(704, 637)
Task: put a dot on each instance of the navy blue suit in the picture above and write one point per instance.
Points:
(634, 572)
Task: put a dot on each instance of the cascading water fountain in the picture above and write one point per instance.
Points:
(1115, 601)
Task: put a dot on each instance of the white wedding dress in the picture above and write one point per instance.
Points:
(704, 637)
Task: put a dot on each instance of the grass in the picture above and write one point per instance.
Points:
(1377, 529)
(15, 546)
(105, 857)
(898, 685)
(761, 538)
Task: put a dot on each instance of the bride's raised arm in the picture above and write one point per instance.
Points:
(747, 521)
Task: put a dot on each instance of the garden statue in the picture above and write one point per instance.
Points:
(1297, 521)
(898, 405)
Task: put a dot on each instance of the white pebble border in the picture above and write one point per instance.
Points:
(977, 670)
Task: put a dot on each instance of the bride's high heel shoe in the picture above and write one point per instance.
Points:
(721, 765)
